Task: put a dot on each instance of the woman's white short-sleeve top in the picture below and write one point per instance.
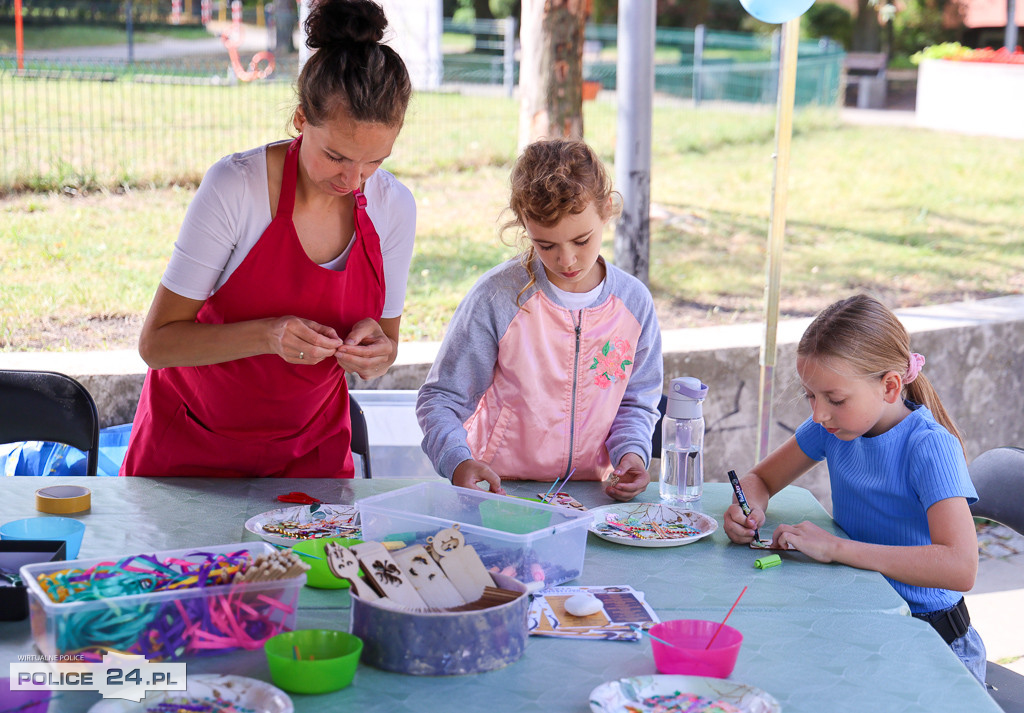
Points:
(231, 209)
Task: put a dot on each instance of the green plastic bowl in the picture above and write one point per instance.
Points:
(513, 515)
(319, 574)
(313, 660)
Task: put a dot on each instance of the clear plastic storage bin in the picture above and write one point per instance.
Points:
(524, 539)
(164, 625)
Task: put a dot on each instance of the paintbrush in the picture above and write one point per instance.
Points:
(639, 630)
(726, 618)
(302, 554)
(548, 496)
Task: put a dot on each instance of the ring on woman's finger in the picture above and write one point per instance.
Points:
(302, 355)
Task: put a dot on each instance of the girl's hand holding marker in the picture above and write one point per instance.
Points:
(748, 521)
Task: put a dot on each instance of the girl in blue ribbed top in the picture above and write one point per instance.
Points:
(900, 486)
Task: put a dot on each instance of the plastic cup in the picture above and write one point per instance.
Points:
(313, 660)
(319, 575)
(47, 528)
(688, 654)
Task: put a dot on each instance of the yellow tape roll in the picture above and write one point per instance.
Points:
(63, 499)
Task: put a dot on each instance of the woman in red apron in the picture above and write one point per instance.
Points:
(251, 380)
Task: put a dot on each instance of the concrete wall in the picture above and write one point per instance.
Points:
(975, 354)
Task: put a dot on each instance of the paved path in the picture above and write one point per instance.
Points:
(997, 601)
(254, 39)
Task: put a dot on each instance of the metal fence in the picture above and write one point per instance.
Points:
(81, 121)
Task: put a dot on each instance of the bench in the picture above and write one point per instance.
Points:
(866, 71)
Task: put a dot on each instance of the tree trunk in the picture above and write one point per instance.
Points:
(551, 70)
(482, 10)
(866, 34)
(485, 43)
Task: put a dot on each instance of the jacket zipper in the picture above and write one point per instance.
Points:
(575, 377)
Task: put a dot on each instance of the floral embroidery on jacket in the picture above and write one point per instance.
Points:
(611, 363)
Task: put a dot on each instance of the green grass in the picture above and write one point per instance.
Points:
(916, 216)
(913, 215)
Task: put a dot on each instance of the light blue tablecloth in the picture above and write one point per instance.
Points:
(820, 638)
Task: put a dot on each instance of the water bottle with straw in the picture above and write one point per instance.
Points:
(682, 441)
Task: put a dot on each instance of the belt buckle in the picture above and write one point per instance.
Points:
(959, 621)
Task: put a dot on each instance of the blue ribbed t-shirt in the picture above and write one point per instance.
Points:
(882, 487)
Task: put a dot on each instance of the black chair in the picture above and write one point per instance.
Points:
(656, 437)
(998, 476)
(360, 436)
(47, 406)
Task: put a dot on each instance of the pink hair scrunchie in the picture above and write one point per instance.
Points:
(914, 367)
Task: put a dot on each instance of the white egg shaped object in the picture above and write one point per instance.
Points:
(583, 605)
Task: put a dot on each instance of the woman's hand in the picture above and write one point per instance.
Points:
(739, 527)
(629, 479)
(367, 350)
(470, 472)
(301, 341)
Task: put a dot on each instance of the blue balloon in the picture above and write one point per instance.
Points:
(776, 12)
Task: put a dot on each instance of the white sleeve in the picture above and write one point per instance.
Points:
(217, 231)
(394, 217)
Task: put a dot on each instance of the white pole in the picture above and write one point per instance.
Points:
(634, 82)
(698, 62)
(303, 47)
(509, 52)
(777, 227)
(1010, 36)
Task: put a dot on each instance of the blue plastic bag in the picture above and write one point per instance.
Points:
(43, 458)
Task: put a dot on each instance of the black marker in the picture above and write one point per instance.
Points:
(741, 499)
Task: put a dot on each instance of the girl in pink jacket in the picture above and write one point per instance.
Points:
(552, 362)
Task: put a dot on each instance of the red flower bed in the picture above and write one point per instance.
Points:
(999, 56)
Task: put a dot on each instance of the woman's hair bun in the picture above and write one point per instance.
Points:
(344, 21)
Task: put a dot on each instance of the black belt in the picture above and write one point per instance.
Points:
(951, 623)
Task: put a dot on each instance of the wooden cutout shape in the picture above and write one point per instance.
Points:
(427, 577)
(344, 565)
(562, 499)
(387, 576)
(460, 563)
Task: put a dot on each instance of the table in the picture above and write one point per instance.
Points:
(820, 638)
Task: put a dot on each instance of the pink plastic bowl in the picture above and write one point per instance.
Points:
(689, 656)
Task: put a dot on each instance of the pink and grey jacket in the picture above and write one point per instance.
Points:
(538, 391)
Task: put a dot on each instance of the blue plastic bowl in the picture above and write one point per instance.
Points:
(47, 528)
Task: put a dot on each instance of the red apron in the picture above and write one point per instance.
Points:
(261, 416)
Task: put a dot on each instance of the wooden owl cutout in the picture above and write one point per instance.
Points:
(460, 563)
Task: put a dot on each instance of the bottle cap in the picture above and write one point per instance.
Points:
(685, 397)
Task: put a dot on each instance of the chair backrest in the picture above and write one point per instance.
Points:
(47, 406)
(656, 436)
(360, 435)
(998, 476)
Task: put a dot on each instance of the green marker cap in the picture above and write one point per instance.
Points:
(769, 561)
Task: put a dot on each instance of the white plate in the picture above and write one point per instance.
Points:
(615, 696)
(651, 512)
(244, 693)
(329, 516)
